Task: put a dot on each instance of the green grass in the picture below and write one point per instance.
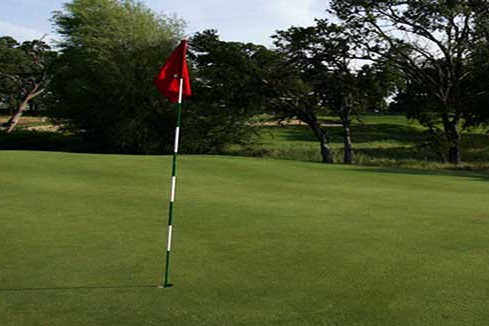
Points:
(257, 242)
(378, 140)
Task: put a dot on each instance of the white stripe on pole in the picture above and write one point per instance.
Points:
(180, 93)
(177, 138)
(170, 231)
(173, 185)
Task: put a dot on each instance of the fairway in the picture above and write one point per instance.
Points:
(256, 242)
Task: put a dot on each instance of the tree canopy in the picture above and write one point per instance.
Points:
(110, 52)
(227, 88)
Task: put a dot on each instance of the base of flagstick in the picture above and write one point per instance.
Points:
(164, 286)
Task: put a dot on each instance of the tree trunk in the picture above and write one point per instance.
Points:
(344, 114)
(12, 122)
(435, 143)
(454, 139)
(454, 155)
(348, 152)
(327, 157)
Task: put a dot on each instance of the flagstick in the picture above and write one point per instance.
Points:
(173, 188)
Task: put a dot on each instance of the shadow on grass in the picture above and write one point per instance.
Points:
(78, 288)
(475, 148)
(398, 153)
(46, 141)
(451, 173)
(364, 133)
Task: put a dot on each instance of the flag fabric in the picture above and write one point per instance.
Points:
(175, 69)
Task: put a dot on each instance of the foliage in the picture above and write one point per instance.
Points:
(111, 51)
(478, 86)
(12, 58)
(227, 89)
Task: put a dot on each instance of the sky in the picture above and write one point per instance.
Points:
(236, 20)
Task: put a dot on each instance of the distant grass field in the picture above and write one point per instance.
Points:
(257, 242)
(378, 140)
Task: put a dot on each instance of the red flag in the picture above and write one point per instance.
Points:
(168, 80)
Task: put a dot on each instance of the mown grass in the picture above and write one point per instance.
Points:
(257, 242)
(378, 140)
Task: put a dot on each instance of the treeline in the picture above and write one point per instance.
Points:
(427, 59)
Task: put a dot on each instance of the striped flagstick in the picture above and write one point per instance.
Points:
(165, 282)
(173, 81)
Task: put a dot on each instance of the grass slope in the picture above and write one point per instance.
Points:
(257, 242)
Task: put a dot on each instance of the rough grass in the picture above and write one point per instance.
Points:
(378, 140)
(257, 242)
(27, 121)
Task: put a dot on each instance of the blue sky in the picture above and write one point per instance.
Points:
(236, 20)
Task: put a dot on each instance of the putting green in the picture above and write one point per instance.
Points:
(256, 242)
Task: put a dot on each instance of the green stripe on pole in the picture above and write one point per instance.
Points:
(166, 277)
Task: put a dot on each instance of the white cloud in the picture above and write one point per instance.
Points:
(18, 32)
(245, 21)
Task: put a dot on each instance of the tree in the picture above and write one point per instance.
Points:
(429, 40)
(325, 56)
(416, 103)
(24, 74)
(110, 52)
(235, 81)
(291, 96)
